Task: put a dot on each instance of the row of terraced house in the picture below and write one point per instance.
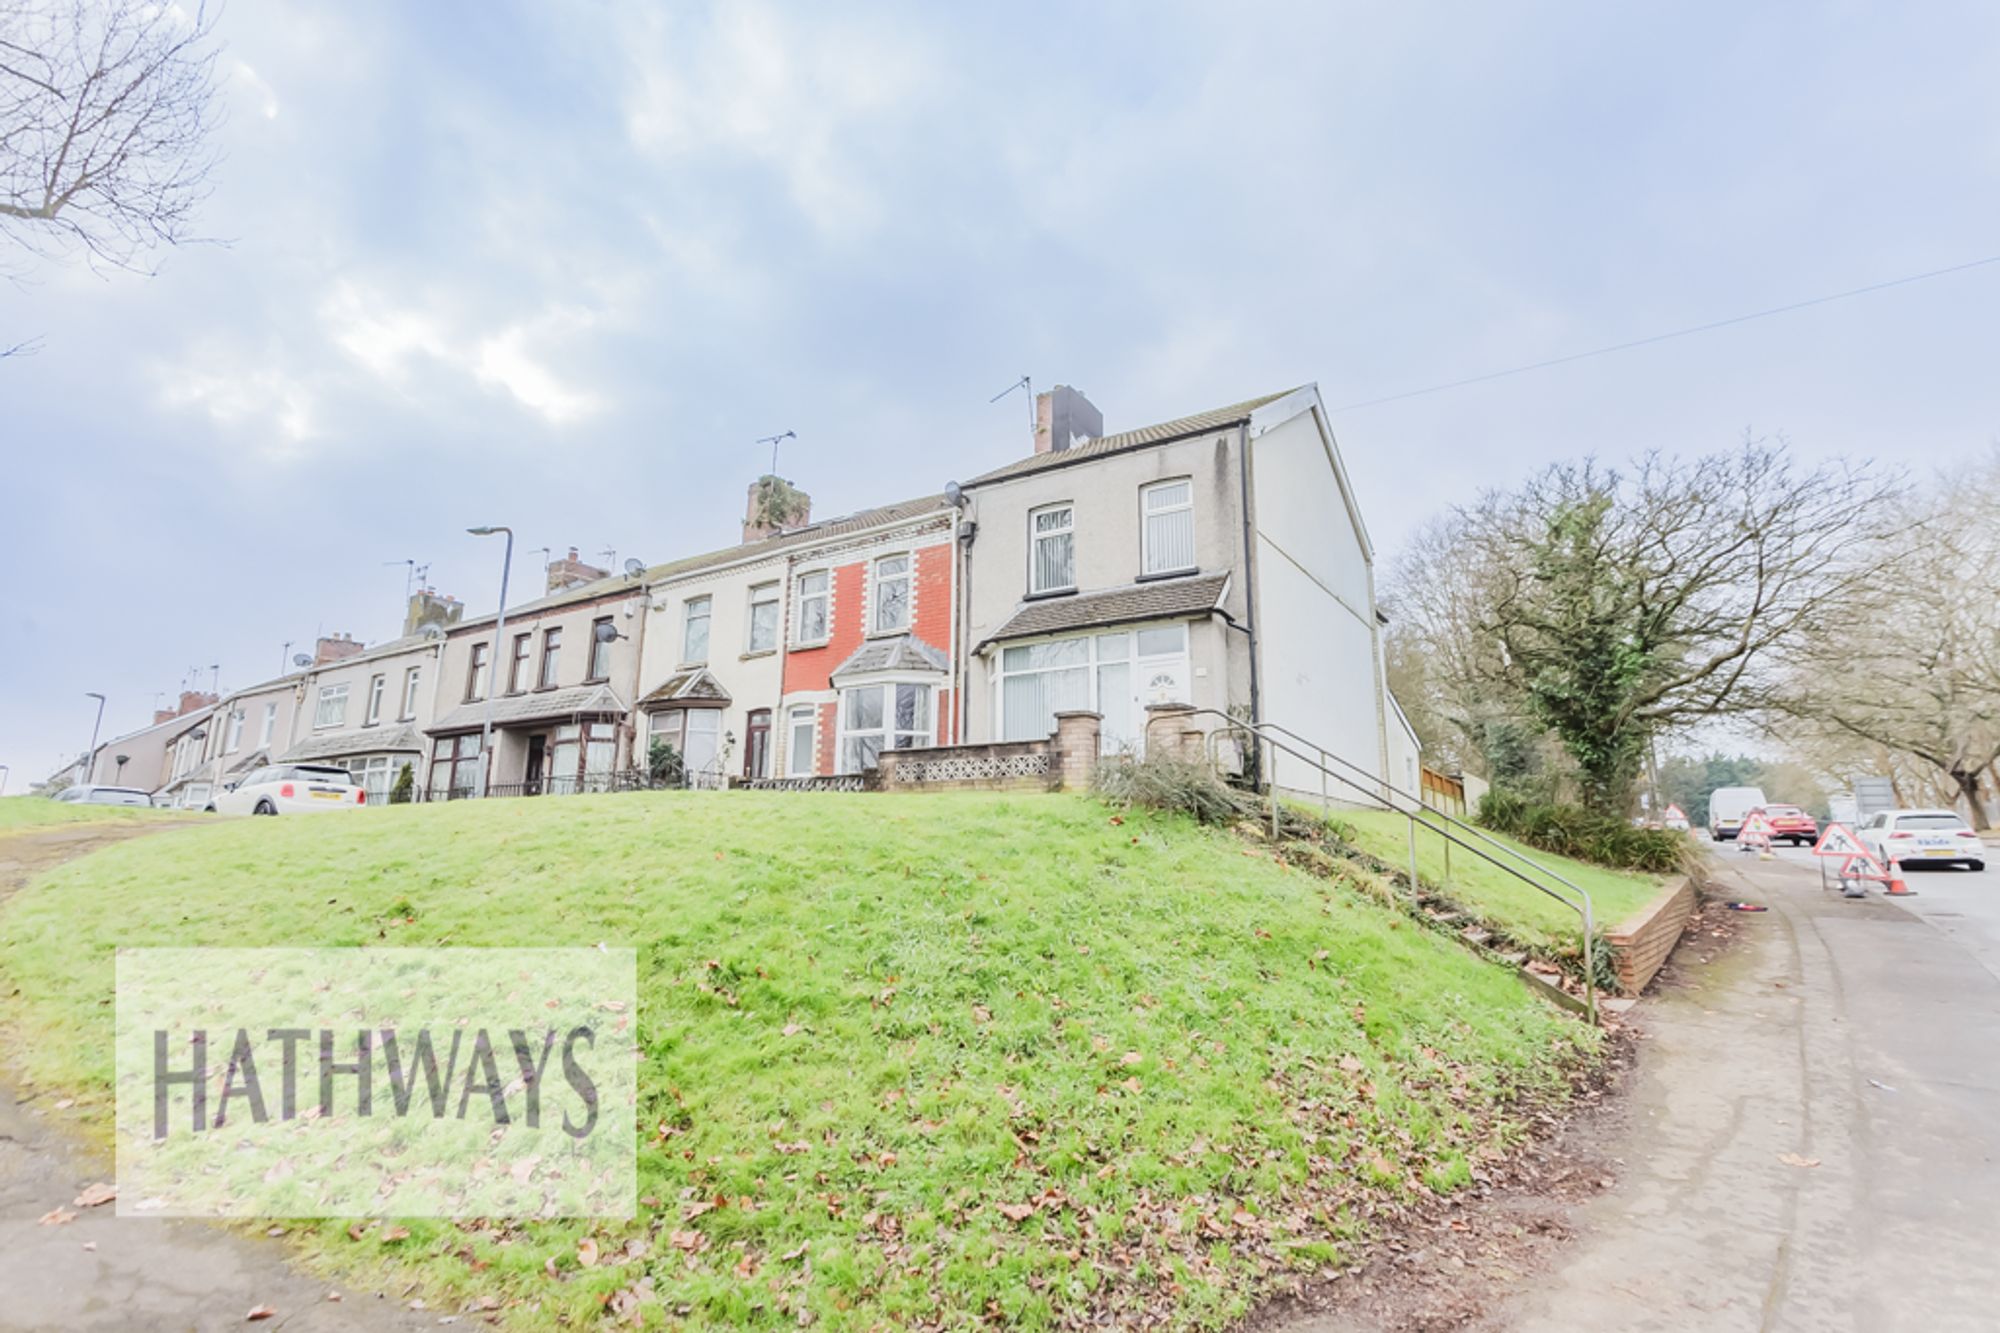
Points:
(1218, 560)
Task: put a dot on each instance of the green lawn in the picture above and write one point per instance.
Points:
(34, 812)
(1529, 915)
(1026, 1058)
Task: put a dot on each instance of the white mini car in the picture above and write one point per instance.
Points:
(290, 789)
(1923, 835)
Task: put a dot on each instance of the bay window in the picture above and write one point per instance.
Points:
(695, 735)
(455, 767)
(894, 715)
(1167, 511)
(1052, 557)
(1115, 674)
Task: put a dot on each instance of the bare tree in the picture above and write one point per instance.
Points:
(1613, 606)
(1910, 669)
(107, 110)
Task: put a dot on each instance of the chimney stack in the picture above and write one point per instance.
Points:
(334, 647)
(428, 607)
(570, 572)
(773, 506)
(190, 701)
(1064, 419)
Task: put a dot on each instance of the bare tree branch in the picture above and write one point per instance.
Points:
(107, 115)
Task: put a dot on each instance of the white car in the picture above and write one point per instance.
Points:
(290, 789)
(102, 795)
(1923, 835)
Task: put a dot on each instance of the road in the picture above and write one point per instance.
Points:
(1815, 1126)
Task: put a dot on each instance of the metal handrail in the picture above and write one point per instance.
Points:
(1583, 907)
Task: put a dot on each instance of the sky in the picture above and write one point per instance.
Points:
(559, 266)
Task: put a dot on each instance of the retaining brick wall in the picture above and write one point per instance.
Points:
(1641, 942)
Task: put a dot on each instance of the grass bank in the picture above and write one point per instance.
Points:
(20, 813)
(905, 1058)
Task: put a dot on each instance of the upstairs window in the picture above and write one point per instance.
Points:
(517, 671)
(812, 590)
(600, 648)
(410, 679)
(694, 631)
(235, 730)
(892, 594)
(1052, 553)
(551, 655)
(331, 710)
(376, 687)
(270, 725)
(1167, 511)
(763, 618)
(475, 674)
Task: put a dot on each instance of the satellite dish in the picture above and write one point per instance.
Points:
(634, 568)
(301, 660)
(953, 494)
(432, 631)
(605, 632)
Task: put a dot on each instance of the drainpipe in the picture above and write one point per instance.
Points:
(1249, 625)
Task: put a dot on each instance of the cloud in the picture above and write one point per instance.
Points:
(234, 391)
(805, 97)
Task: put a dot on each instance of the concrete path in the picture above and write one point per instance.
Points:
(100, 1271)
(1815, 1135)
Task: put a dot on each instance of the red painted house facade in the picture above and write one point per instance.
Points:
(867, 666)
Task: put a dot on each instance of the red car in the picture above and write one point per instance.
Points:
(1791, 824)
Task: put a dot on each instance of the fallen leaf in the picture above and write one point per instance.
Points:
(586, 1252)
(394, 1234)
(95, 1195)
(1793, 1159)
(790, 1030)
(794, 1149)
(1130, 1058)
(1017, 1212)
(55, 1217)
(694, 1242)
(258, 1312)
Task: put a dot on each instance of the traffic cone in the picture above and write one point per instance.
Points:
(1898, 888)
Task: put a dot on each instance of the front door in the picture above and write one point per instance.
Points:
(537, 758)
(757, 744)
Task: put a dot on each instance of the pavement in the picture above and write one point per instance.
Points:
(1814, 1125)
(95, 1270)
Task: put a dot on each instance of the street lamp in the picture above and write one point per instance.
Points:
(493, 658)
(90, 755)
(4, 771)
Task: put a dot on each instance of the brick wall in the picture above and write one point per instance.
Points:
(1640, 943)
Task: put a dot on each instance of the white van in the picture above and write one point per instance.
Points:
(1726, 808)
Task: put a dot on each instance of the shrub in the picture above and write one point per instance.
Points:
(1162, 783)
(405, 786)
(663, 762)
(1571, 830)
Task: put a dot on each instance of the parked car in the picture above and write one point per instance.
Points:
(1727, 807)
(1923, 835)
(1791, 824)
(93, 794)
(290, 789)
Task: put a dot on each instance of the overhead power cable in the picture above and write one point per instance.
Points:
(1666, 337)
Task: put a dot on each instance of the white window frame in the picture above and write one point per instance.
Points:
(925, 733)
(329, 695)
(1035, 539)
(235, 741)
(764, 594)
(804, 598)
(270, 725)
(378, 685)
(797, 717)
(908, 578)
(1092, 665)
(411, 677)
(688, 619)
(1146, 516)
